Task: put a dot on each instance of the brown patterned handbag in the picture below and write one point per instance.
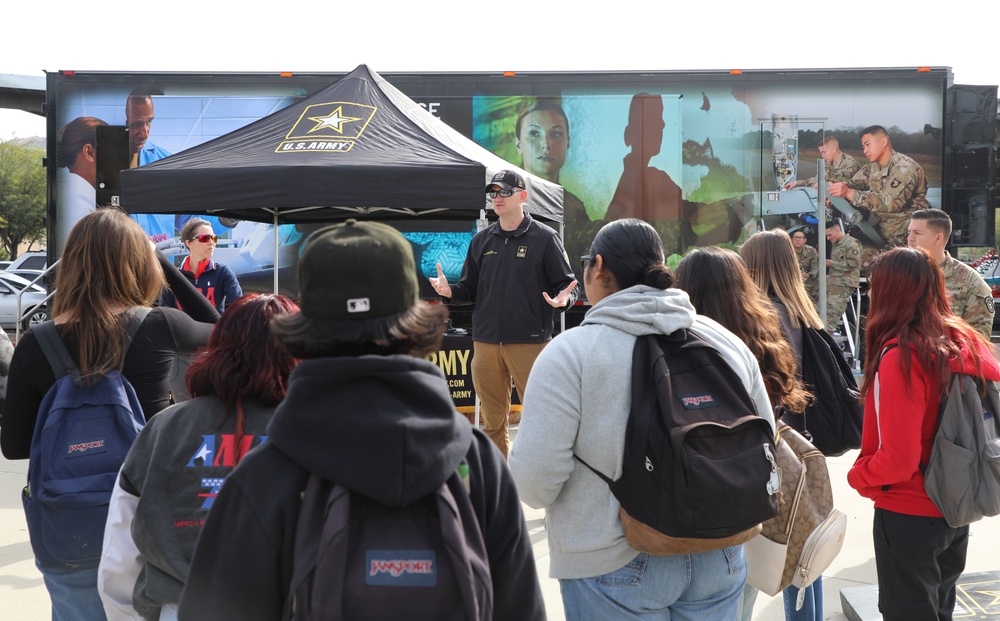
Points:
(799, 543)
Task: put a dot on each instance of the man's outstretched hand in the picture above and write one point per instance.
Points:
(561, 299)
(440, 283)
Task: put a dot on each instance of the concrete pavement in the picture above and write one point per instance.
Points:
(23, 596)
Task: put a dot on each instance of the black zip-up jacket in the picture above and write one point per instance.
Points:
(505, 273)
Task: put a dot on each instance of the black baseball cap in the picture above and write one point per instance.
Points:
(356, 270)
(506, 179)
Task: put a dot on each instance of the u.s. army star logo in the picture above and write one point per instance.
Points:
(327, 127)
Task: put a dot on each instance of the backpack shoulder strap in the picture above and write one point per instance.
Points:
(54, 349)
(138, 315)
(466, 547)
(311, 539)
(884, 351)
(59, 358)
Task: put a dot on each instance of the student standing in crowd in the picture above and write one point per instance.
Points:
(178, 463)
(770, 259)
(215, 281)
(744, 311)
(518, 275)
(97, 283)
(366, 411)
(578, 403)
(918, 557)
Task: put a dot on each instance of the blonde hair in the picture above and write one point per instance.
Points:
(107, 266)
(770, 258)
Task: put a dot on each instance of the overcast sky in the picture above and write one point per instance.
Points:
(458, 35)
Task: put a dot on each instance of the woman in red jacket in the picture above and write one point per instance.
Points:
(918, 557)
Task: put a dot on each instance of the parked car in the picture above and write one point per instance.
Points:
(29, 261)
(33, 300)
(31, 275)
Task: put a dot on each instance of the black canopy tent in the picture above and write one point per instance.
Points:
(359, 147)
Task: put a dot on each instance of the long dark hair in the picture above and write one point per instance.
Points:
(720, 287)
(243, 359)
(908, 301)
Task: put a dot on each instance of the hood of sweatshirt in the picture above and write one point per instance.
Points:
(382, 426)
(643, 310)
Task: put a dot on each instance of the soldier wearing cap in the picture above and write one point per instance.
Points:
(971, 298)
(518, 275)
(845, 272)
(891, 186)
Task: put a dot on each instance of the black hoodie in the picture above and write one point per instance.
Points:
(382, 426)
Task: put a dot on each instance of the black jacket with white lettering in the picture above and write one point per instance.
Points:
(505, 273)
(383, 427)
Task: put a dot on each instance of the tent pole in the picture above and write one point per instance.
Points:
(275, 251)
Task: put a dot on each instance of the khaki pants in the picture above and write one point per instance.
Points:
(493, 367)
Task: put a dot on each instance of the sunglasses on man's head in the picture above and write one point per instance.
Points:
(206, 238)
(502, 193)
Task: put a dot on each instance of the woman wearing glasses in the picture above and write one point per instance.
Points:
(215, 281)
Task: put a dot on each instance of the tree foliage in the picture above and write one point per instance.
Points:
(22, 195)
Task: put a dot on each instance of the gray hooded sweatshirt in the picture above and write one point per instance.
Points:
(577, 401)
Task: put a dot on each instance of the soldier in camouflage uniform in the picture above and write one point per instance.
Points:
(808, 264)
(839, 165)
(891, 186)
(845, 272)
(971, 298)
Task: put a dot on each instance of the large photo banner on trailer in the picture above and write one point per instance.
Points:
(705, 163)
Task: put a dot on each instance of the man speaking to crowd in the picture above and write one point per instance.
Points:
(518, 275)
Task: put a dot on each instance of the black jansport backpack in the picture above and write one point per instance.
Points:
(835, 416)
(356, 558)
(699, 471)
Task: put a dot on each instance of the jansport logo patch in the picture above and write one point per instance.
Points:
(697, 401)
(327, 127)
(401, 568)
(89, 447)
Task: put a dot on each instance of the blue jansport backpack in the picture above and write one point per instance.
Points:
(83, 432)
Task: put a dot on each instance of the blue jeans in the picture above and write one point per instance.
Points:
(74, 594)
(685, 587)
(812, 605)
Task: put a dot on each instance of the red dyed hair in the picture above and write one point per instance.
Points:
(243, 359)
(909, 302)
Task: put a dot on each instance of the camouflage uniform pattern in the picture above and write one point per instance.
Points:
(809, 264)
(845, 276)
(841, 169)
(892, 193)
(971, 298)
